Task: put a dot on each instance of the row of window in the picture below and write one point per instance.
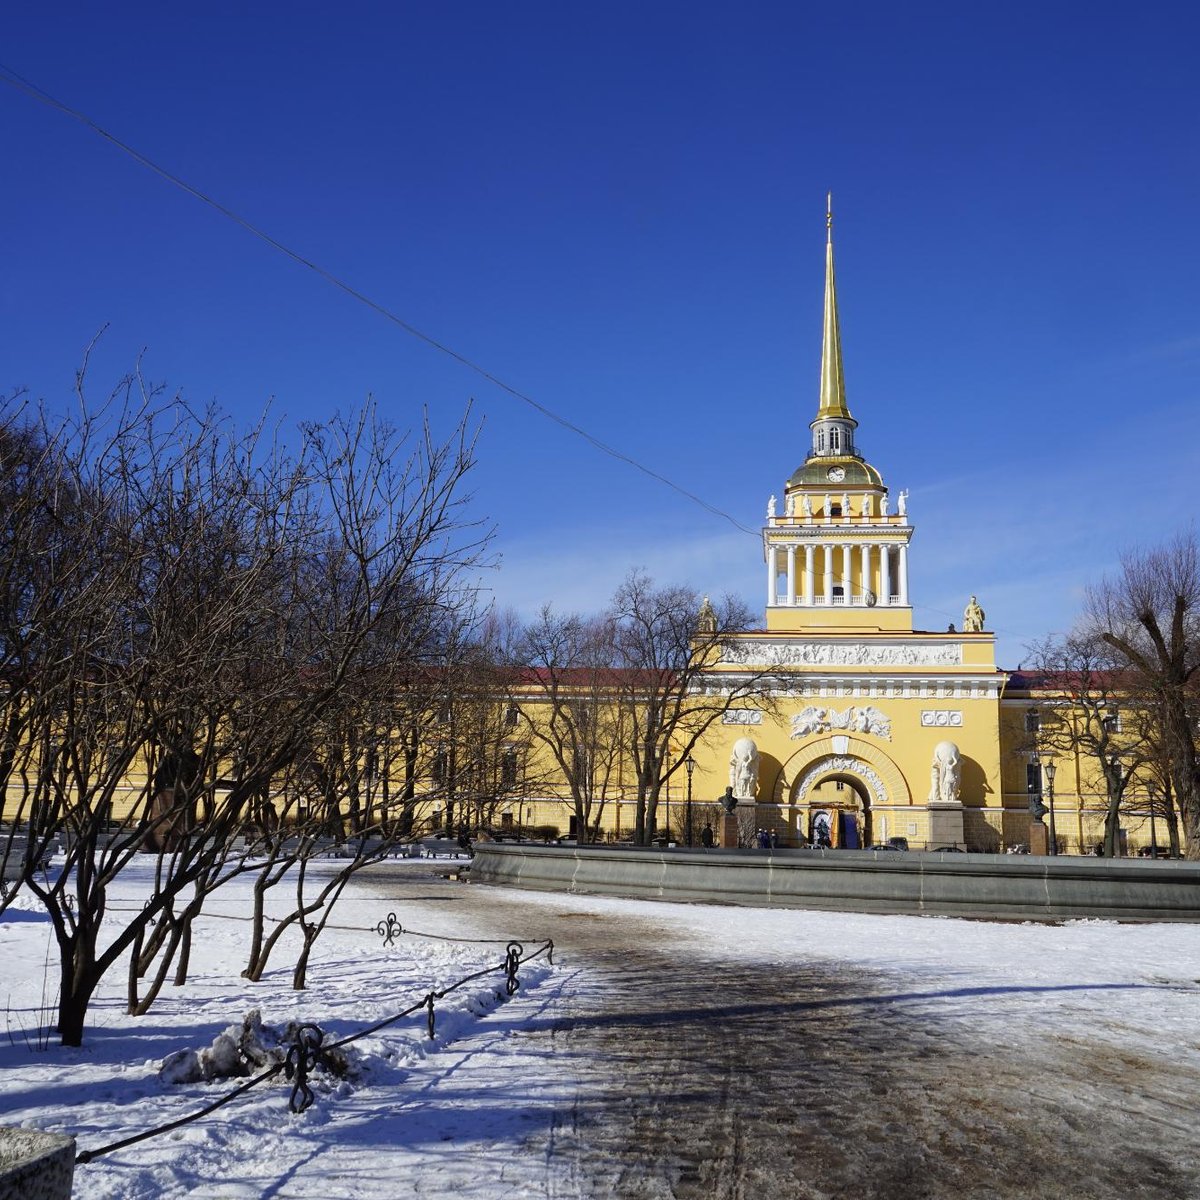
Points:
(834, 445)
(440, 770)
(1033, 721)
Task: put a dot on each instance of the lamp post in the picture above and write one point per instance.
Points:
(1153, 836)
(690, 763)
(1049, 768)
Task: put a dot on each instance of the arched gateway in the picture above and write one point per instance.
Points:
(846, 790)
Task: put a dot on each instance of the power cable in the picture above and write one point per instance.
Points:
(9, 76)
(14, 80)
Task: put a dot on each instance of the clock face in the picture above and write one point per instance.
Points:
(836, 474)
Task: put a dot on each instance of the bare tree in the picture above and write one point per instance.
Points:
(204, 601)
(1086, 718)
(666, 644)
(1150, 614)
(565, 689)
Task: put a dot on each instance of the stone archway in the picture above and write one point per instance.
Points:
(875, 786)
(847, 815)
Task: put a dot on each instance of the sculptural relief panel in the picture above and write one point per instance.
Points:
(793, 653)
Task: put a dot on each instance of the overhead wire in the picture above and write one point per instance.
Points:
(20, 83)
(14, 80)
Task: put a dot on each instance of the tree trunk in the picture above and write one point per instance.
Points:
(300, 971)
(79, 980)
(143, 1005)
(257, 922)
(185, 957)
(1112, 826)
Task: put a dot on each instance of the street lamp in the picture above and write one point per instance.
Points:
(1049, 768)
(690, 763)
(1153, 836)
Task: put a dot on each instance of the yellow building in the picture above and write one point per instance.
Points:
(859, 728)
(869, 729)
(877, 730)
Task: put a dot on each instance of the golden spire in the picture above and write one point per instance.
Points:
(833, 385)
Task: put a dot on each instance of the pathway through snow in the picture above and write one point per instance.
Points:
(703, 1063)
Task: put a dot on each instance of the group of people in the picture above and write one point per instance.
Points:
(765, 839)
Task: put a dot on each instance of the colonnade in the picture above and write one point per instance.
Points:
(878, 568)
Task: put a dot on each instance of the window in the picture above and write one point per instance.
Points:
(1033, 721)
(441, 766)
(1112, 721)
(506, 820)
(512, 716)
(508, 769)
(835, 510)
(835, 439)
(1033, 778)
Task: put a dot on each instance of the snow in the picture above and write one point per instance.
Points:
(485, 1108)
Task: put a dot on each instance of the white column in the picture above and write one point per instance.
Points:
(865, 551)
(847, 578)
(903, 575)
(828, 549)
(772, 577)
(808, 574)
(885, 572)
(791, 584)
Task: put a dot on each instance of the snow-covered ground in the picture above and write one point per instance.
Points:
(668, 1051)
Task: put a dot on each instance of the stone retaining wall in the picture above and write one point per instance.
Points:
(996, 886)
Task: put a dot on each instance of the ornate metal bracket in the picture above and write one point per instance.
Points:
(389, 929)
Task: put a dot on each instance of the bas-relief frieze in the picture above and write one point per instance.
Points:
(839, 762)
(793, 653)
(857, 720)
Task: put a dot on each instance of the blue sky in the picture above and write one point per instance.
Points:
(619, 210)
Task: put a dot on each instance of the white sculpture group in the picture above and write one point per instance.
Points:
(867, 719)
(743, 769)
(945, 775)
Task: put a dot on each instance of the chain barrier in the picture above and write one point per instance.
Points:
(305, 1053)
(398, 930)
(512, 960)
(309, 1048)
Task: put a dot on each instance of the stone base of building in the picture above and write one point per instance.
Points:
(946, 826)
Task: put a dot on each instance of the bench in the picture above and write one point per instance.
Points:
(14, 863)
(436, 847)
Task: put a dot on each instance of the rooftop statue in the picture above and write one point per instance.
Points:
(973, 617)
